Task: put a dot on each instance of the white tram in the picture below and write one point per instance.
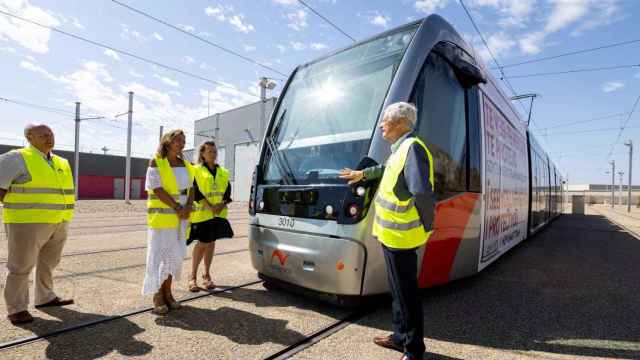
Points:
(495, 186)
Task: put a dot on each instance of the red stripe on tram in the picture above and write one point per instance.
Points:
(451, 219)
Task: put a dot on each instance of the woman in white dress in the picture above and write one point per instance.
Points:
(169, 185)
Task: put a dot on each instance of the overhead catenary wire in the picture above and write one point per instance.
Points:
(52, 110)
(218, 46)
(623, 127)
(577, 52)
(129, 54)
(326, 20)
(604, 68)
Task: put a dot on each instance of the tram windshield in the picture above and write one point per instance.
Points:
(327, 115)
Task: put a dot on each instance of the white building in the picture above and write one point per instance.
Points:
(237, 133)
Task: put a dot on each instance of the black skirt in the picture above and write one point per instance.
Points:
(210, 230)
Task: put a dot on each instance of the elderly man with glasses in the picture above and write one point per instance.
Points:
(37, 193)
(404, 215)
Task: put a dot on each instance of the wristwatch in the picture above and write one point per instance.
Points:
(179, 207)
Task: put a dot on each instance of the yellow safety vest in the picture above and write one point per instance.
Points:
(213, 190)
(47, 198)
(397, 223)
(159, 214)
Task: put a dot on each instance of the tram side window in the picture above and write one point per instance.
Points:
(440, 100)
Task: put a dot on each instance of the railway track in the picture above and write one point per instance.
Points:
(72, 328)
(320, 334)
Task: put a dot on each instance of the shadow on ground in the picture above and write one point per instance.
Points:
(241, 327)
(77, 346)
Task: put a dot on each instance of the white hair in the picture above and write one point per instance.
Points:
(402, 110)
(30, 127)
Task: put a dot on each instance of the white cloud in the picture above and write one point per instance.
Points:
(8, 49)
(188, 28)
(565, 13)
(282, 48)
(530, 44)
(188, 60)
(430, 6)
(76, 23)
(584, 14)
(167, 80)
(318, 46)
(237, 22)
(204, 66)
(297, 20)
(249, 47)
(135, 74)
(499, 43)
(297, 46)
(157, 36)
(611, 86)
(285, 2)
(112, 54)
(38, 69)
(226, 13)
(129, 34)
(215, 12)
(380, 20)
(34, 38)
(515, 13)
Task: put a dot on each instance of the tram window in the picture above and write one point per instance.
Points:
(440, 100)
(475, 138)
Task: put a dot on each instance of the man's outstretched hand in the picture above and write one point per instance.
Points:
(353, 176)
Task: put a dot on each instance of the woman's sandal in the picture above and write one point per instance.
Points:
(207, 283)
(193, 286)
(159, 306)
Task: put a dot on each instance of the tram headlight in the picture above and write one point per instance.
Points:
(360, 191)
(261, 205)
(329, 210)
(352, 210)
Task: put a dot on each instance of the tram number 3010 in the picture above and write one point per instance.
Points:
(286, 222)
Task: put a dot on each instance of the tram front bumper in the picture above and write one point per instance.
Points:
(321, 263)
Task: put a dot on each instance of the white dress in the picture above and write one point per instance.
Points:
(166, 248)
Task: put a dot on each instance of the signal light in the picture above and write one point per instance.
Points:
(352, 210)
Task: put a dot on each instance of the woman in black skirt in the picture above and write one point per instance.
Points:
(209, 217)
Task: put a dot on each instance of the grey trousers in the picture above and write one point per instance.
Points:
(32, 245)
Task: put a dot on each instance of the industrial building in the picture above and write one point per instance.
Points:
(103, 176)
(237, 134)
(601, 194)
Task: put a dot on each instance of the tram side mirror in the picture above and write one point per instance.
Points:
(467, 73)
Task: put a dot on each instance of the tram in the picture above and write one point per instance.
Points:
(495, 186)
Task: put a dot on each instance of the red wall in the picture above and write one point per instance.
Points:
(102, 187)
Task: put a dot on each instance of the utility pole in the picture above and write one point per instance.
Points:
(105, 149)
(76, 164)
(630, 145)
(613, 181)
(264, 84)
(621, 173)
(161, 131)
(127, 181)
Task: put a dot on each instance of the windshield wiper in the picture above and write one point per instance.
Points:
(281, 162)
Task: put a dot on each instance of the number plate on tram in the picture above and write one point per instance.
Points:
(287, 222)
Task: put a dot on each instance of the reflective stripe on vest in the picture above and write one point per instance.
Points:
(397, 223)
(47, 198)
(212, 189)
(39, 206)
(19, 190)
(159, 214)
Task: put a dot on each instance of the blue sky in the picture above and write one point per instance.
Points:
(52, 70)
